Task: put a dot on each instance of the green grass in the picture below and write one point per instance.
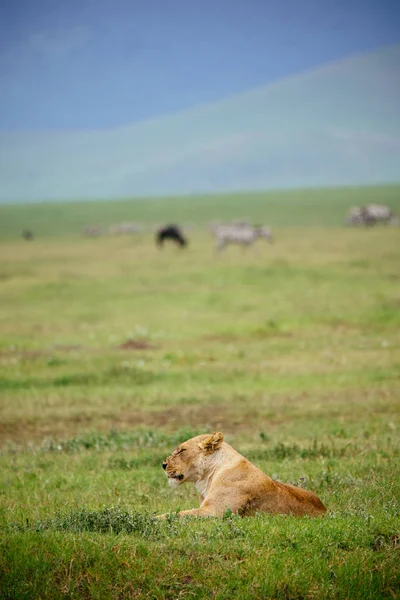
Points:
(292, 208)
(292, 350)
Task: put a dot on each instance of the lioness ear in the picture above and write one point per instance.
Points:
(212, 443)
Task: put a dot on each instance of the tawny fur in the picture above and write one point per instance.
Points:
(225, 480)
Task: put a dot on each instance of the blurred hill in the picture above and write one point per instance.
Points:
(337, 125)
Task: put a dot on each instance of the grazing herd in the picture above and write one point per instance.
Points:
(239, 232)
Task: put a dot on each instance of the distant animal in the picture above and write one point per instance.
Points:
(374, 214)
(225, 479)
(27, 234)
(241, 235)
(213, 226)
(355, 216)
(371, 214)
(171, 232)
(92, 231)
(126, 228)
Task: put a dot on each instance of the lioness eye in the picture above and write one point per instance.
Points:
(181, 450)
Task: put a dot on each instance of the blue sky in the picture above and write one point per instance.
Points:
(96, 64)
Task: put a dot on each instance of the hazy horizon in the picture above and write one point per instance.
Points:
(335, 125)
(120, 99)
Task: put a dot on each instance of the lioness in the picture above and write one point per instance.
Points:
(225, 479)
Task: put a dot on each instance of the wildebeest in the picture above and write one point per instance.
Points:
(241, 235)
(171, 232)
(27, 234)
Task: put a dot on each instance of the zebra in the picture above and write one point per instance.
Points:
(378, 213)
(371, 215)
(243, 236)
(355, 216)
(92, 231)
(126, 228)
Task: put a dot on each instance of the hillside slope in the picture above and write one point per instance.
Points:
(337, 125)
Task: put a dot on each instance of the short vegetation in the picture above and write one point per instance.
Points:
(291, 349)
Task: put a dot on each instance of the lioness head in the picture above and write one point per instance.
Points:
(191, 458)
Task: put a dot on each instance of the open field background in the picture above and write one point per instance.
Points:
(291, 208)
(112, 352)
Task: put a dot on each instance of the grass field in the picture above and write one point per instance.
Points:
(113, 352)
(294, 208)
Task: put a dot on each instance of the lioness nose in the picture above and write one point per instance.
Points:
(164, 465)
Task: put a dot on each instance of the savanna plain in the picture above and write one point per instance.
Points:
(112, 352)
